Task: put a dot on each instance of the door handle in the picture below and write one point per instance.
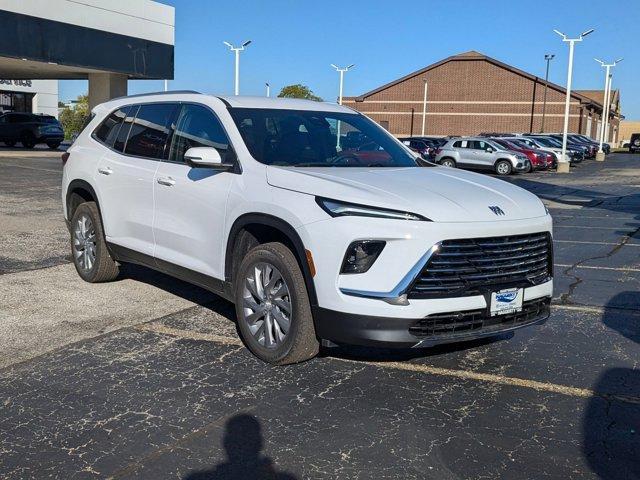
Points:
(166, 181)
(105, 170)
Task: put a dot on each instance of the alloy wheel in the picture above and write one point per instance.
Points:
(503, 168)
(266, 308)
(84, 243)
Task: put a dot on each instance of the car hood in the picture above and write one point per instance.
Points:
(439, 193)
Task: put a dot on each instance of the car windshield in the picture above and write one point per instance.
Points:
(524, 143)
(547, 142)
(300, 138)
(48, 119)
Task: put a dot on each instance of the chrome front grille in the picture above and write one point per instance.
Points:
(467, 266)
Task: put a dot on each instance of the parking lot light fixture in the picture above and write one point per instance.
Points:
(341, 71)
(548, 57)
(563, 163)
(268, 87)
(237, 51)
(604, 124)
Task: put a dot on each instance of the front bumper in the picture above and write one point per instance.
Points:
(447, 327)
(50, 137)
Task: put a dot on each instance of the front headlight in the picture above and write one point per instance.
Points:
(337, 208)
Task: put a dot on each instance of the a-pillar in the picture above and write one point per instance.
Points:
(105, 86)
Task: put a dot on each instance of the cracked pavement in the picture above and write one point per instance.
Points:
(145, 377)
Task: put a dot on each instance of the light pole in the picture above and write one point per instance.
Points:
(268, 87)
(166, 85)
(424, 106)
(341, 72)
(548, 57)
(607, 103)
(237, 51)
(563, 164)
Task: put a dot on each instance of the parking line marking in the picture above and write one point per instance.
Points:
(595, 217)
(594, 309)
(176, 332)
(616, 269)
(596, 243)
(589, 227)
(413, 367)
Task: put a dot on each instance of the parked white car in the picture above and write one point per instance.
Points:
(314, 241)
(545, 144)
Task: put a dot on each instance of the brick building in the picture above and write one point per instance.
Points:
(471, 93)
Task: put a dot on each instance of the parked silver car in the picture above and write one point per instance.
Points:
(482, 154)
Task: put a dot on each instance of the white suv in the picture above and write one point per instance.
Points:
(315, 221)
(481, 153)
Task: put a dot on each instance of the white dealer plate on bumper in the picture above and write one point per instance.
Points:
(506, 301)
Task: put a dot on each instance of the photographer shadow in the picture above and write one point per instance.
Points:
(243, 444)
(611, 426)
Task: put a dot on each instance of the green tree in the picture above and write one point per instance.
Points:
(298, 91)
(74, 118)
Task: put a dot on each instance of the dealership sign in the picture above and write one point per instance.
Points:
(17, 83)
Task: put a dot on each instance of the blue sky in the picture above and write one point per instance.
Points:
(296, 41)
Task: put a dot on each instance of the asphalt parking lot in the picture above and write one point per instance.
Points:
(145, 377)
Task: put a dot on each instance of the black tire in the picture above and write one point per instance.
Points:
(448, 162)
(27, 140)
(103, 268)
(53, 145)
(503, 167)
(300, 342)
(10, 144)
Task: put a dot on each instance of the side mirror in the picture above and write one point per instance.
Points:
(489, 150)
(205, 157)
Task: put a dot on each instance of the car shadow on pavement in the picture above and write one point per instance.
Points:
(243, 444)
(611, 424)
(179, 288)
(380, 354)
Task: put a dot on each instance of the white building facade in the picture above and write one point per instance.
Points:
(35, 96)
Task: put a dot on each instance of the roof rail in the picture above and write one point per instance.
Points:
(170, 92)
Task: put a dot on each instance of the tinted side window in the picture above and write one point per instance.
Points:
(150, 130)
(457, 144)
(197, 126)
(123, 133)
(17, 118)
(108, 129)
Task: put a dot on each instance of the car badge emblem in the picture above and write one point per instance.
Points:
(497, 210)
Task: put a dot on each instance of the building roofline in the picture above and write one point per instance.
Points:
(468, 56)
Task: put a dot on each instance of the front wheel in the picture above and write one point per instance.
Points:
(503, 167)
(10, 144)
(27, 140)
(53, 145)
(448, 162)
(272, 306)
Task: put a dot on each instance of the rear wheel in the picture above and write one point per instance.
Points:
(10, 144)
(448, 162)
(272, 306)
(27, 140)
(88, 246)
(503, 167)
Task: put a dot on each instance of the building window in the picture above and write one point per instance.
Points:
(16, 102)
(384, 124)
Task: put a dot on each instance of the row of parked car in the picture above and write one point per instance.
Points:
(504, 153)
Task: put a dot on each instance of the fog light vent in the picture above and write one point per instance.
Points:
(361, 255)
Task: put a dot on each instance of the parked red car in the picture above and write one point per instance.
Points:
(539, 159)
